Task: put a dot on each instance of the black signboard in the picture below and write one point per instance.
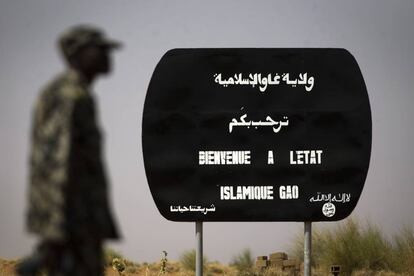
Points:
(256, 134)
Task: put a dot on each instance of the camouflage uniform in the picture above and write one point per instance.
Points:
(68, 201)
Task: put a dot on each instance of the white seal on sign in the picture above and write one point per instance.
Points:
(328, 209)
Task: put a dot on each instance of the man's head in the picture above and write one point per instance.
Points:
(86, 49)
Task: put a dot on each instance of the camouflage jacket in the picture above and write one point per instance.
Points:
(68, 187)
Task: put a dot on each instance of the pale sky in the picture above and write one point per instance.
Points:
(379, 34)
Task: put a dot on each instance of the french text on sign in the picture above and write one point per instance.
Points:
(305, 157)
(224, 157)
(289, 192)
(246, 192)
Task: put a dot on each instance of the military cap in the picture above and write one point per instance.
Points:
(84, 35)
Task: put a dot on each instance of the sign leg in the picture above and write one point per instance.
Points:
(199, 248)
(307, 248)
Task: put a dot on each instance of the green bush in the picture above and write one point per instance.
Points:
(188, 260)
(244, 261)
(355, 247)
(404, 251)
(358, 247)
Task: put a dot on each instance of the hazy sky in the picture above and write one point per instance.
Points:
(379, 34)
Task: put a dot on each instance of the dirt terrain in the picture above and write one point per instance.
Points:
(174, 268)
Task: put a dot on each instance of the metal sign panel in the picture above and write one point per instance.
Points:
(256, 134)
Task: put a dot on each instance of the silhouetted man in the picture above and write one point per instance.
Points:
(68, 204)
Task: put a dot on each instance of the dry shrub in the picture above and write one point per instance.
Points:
(272, 271)
(375, 273)
(215, 268)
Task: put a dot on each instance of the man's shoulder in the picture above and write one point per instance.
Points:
(65, 86)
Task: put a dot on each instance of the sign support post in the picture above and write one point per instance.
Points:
(199, 248)
(307, 248)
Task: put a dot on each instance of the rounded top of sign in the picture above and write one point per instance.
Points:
(256, 134)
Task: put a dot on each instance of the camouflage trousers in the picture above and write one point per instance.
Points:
(80, 257)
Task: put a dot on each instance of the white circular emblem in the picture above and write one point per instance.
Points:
(328, 209)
